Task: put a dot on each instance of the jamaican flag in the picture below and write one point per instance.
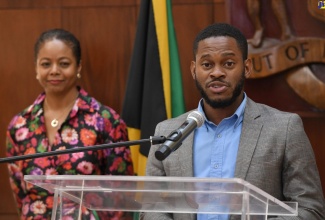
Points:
(154, 88)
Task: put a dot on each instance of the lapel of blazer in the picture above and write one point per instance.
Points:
(186, 156)
(184, 153)
(251, 130)
(248, 140)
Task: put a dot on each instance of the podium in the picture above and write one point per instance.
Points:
(161, 194)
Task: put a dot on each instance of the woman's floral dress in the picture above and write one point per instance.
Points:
(89, 123)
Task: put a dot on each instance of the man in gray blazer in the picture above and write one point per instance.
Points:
(239, 138)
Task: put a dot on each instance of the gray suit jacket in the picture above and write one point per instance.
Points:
(274, 154)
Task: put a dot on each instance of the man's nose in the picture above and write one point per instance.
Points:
(217, 72)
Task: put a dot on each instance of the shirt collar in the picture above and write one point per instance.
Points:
(84, 102)
(239, 113)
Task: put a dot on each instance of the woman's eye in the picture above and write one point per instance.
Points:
(45, 64)
(64, 64)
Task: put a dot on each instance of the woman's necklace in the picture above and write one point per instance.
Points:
(55, 121)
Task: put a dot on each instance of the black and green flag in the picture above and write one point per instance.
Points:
(154, 89)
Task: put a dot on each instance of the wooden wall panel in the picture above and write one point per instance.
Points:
(18, 86)
(18, 4)
(96, 3)
(27, 4)
(106, 35)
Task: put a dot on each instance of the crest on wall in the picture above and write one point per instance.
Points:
(289, 54)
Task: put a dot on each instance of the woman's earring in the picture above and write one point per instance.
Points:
(78, 75)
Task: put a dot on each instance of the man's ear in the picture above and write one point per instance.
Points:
(192, 68)
(248, 67)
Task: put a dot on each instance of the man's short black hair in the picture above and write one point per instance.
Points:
(222, 29)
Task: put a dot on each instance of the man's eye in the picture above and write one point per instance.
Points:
(229, 64)
(206, 65)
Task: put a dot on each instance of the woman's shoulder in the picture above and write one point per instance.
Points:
(27, 114)
(91, 104)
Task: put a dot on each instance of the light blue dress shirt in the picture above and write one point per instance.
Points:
(215, 149)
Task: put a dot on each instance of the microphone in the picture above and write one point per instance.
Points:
(174, 140)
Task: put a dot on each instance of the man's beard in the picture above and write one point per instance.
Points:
(222, 103)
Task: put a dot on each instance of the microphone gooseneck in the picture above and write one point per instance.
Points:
(174, 140)
(153, 140)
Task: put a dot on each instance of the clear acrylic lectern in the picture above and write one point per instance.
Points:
(161, 194)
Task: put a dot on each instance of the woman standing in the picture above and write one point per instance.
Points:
(64, 116)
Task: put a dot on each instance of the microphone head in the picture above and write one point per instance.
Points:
(197, 117)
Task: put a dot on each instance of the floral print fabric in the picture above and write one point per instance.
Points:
(88, 123)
